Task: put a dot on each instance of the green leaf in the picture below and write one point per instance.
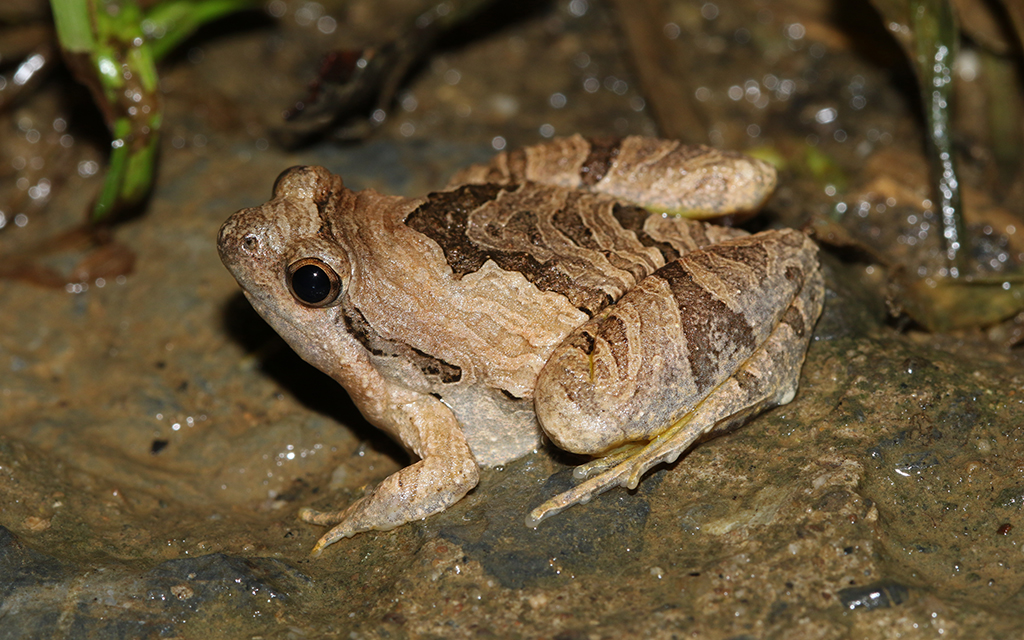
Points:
(74, 29)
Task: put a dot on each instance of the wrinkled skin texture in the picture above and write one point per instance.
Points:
(538, 293)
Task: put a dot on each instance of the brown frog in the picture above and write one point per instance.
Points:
(549, 291)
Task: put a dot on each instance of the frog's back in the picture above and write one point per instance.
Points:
(590, 248)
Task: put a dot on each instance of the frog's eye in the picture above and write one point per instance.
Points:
(313, 282)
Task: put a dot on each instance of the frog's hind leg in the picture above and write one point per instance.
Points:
(768, 378)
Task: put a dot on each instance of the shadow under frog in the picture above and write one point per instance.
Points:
(536, 292)
(489, 529)
(308, 385)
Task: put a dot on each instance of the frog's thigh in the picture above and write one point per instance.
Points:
(769, 377)
(643, 363)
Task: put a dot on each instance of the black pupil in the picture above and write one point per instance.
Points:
(311, 284)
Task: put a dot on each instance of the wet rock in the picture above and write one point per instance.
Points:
(1010, 498)
(41, 597)
(518, 556)
(871, 597)
(916, 364)
(915, 462)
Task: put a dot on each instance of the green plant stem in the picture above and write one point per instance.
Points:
(935, 36)
(176, 20)
(113, 46)
(74, 28)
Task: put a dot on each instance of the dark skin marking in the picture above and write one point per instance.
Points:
(632, 218)
(546, 278)
(361, 330)
(569, 222)
(613, 331)
(603, 152)
(376, 344)
(446, 216)
(753, 256)
(699, 234)
(793, 318)
(476, 223)
(584, 342)
(639, 271)
(746, 380)
(520, 230)
(712, 330)
(322, 203)
(443, 219)
(431, 366)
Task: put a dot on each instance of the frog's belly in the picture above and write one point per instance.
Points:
(498, 428)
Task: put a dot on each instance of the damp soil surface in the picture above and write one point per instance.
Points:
(157, 439)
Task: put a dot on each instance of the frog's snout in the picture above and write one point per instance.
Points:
(225, 237)
(236, 240)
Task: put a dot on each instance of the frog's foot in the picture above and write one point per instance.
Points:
(346, 529)
(607, 461)
(413, 493)
(624, 467)
(768, 378)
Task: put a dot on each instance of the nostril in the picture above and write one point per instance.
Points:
(250, 242)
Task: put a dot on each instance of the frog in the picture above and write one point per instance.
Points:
(579, 292)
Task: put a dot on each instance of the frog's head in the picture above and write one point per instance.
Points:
(289, 260)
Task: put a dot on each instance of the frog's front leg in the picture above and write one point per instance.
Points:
(445, 472)
(702, 344)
